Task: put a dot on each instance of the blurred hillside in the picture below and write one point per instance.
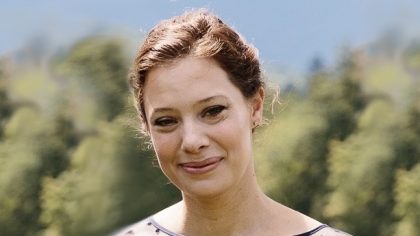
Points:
(343, 145)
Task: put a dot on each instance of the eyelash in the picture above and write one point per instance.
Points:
(164, 121)
(212, 112)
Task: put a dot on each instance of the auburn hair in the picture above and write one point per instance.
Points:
(196, 33)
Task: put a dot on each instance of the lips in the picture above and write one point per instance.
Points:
(201, 167)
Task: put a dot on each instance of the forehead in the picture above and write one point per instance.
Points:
(182, 72)
(186, 80)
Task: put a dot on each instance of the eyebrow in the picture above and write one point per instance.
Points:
(205, 100)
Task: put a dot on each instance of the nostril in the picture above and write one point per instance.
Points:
(202, 147)
(192, 147)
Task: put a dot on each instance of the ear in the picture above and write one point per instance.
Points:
(257, 107)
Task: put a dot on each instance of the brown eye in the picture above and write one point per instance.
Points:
(165, 121)
(213, 111)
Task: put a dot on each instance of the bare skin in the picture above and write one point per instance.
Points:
(253, 214)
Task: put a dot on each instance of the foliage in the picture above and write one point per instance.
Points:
(345, 149)
(5, 103)
(291, 156)
(411, 56)
(107, 185)
(408, 201)
(367, 159)
(99, 67)
(31, 150)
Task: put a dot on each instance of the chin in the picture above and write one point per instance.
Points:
(204, 188)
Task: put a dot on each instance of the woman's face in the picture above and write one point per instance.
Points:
(200, 125)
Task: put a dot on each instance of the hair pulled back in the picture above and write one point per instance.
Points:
(196, 33)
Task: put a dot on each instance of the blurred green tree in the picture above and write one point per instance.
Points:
(339, 96)
(408, 202)
(32, 149)
(362, 170)
(5, 103)
(99, 67)
(407, 194)
(411, 57)
(407, 147)
(297, 146)
(109, 184)
(290, 161)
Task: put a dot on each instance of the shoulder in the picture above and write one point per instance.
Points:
(149, 226)
(329, 231)
(140, 228)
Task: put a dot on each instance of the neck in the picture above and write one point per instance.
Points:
(235, 210)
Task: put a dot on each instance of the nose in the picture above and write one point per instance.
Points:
(194, 137)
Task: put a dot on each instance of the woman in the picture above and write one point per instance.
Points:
(199, 93)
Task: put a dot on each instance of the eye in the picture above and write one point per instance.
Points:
(213, 111)
(165, 121)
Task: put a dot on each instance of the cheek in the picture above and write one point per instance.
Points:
(234, 134)
(165, 147)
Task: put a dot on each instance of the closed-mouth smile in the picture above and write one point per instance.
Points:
(201, 167)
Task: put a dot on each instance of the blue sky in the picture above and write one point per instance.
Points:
(287, 33)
